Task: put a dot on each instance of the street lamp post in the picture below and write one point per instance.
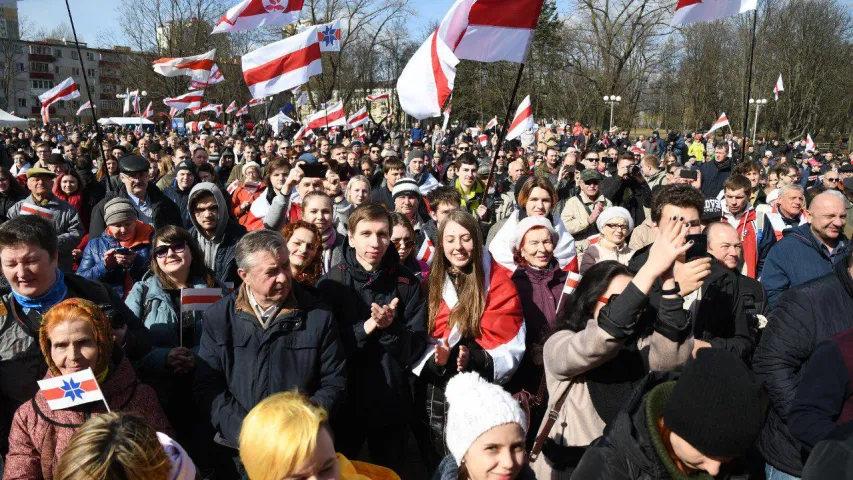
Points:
(758, 104)
(612, 100)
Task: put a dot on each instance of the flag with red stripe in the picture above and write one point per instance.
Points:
(232, 107)
(85, 106)
(720, 123)
(214, 78)
(67, 90)
(185, 101)
(149, 110)
(425, 253)
(243, 111)
(198, 66)
(257, 101)
(251, 14)
(779, 87)
(523, 120)
(282, 65)
(358, 119)
(492, 30)
(198, 299)
(31, 209)
(70, 390)
(690, 11)
(492, 123)
(382, 97)
(331, 116)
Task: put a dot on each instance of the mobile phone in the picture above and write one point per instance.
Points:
(313, 170)
(123, 251)
(689, 174)
(699, 249)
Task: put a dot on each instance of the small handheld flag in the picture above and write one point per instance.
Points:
(71, 390)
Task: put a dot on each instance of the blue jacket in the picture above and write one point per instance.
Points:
(417, 134)
(92, 264)
(796, 259)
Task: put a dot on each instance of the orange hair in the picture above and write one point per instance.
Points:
(78, 309)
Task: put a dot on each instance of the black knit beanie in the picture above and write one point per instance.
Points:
(717, 405)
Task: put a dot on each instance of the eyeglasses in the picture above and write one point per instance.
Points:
(163, 250)
(827, 179)
(464, 149)
(374, 151)
(615, 226)
(403, 242)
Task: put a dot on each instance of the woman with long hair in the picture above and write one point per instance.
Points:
(177, 263)
(303, 244)
(599, 351)
(474, 321)
(69, 186)
(108, 174)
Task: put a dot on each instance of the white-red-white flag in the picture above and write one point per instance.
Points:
(331, 116)
(523, 120)
(282, 65)
(217, 109)
(301, 132)
(491, 30)
(382, 97)
(173, 111)
(214, 78)
(85, 106)
(778, 88)
(67, 90)
(483, 139)
(810, 145)
(197, 66)
(251, 14)
(427, 80)
(720, 123)
(257, 101)
(492, 123)
(244, 110)
(691, 11)
(358, 119)
(446, 115)
(185, 101)
(232, 107)
(199, 299)
(149, 110)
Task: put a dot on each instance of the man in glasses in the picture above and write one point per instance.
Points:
(271, 335)
(581, 211)
(152, 206)
(42, 154)
(215, 231)
(381, 307)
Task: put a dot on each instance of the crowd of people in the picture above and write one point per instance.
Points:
(586, 306)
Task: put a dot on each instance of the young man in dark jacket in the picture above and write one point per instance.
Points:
(216, 232)
(269, 336)
(689, 428)
(803, 317)
(186, 177)
(381, 315)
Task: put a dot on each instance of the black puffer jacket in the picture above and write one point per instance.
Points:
(378, 364)
(631, 447)
(720, 319)
(804, 316)
(165, 212)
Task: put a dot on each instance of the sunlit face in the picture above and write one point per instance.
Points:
(753, 177)
(20, 160)
(827, 217)
(135, 183)
(615, 231)
(40, 185)
(358, 193)
(323, 465)
(772, 181)
(467, 175)
(403, 240)
(177, 259)
(787, 177)
(725, 245)
(185, 179)
(791, 203)
(277, 178)
(200, 156)
(269, 276)
(416, 165)
(319, 211)
(370, 239)
(332, 184)
(206, 213)
(73, 347)
(302, 245)
(514, 171)
(406, 204)
(694, 458)
(537, 247)
(308, 185)
(458, 244)
(498, 454)
(391, 177)
(123, 231)
(68, 184)
(591, 188)
(736, 201)
(721, 154)
(30, 270)
(252, 175)
(539, 203)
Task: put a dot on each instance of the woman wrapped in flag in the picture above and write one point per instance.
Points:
(475, 323)
(75, 336)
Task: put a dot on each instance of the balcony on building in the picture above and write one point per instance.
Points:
(39, 57)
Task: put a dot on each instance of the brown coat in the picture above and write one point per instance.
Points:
(39, 435)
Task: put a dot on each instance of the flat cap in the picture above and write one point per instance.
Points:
(133, 164)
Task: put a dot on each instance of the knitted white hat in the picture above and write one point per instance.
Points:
(250, 164)
(475, 407)
(614, 212)
(529, 222)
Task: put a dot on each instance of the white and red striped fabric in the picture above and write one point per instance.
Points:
(301, 133)
(426, 252)
(212, 79)
(251, 14)
(282, 65)
(71, 390)
(232, 107)
(217, 109)
(199, 299)
(523, 120)
(382, 97)
(67, 90)
(502, 327)
(39, 211)
(690, 11)
(491, 30)
(492, 123)
(257, 101)
(720, 123)
(173, 111)
(810, 145)
(197, 66)
(501, 247)
(195, 127)
(85, 106)
(779, 87)
(483, 139)
(331, 116)
(358, 119)
(149, 110)
(427, 80)
(244, 110)
(185, 101)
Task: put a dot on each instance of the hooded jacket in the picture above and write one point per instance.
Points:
(40, 435)
(378, 364)
(796, 259)
(219, 251)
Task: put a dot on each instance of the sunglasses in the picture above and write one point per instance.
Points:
(403, 242)
(163, 250)
(464, 149)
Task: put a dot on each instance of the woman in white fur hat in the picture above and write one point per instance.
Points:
(615, 225)
(485, 432)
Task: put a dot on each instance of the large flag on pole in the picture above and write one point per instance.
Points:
(185, 101)
(778, 88)
(427, 80)
(251, 14)
(232, 107)
(332, 116)
(691, 11)
(243, 111)
(358, 119)
(149, 110)
(67, 90)
(198, 66)
(523, 120)
(491, 30)
(282, 65)
(720, 123)
(214, 78)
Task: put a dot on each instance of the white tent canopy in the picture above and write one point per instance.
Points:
(9, 120)
(125, 121)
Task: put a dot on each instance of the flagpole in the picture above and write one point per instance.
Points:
(503, 133)
(748, 84)
(98, 133)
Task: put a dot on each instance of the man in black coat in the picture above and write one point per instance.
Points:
(381, 316)
(179, 192)
(803, 317)
(270, 336)
(715, 173)
(151, 205)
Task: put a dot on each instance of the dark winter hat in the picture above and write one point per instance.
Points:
(56, 159)
(518, 184)
(118, 210)
(713, 211)
(405, 186)
(717, 405)
(307, 158)
(185, 165)
(155, 147)
(846, 168)
(416, 153)
(133, 164)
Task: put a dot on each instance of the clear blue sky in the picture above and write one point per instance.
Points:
(95, 17)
